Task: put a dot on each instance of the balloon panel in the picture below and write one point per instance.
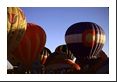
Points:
(44, 55)
(95, 66)
(31, 45)
(58, 64)
(85, 39)
(102, 66)
(16, 27)
(63, 50)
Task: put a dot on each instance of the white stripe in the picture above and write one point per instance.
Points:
(77, 38)
(72, 38)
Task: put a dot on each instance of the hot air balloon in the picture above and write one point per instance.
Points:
(95, 66)
(85, 40)
(30, 46)
(16, 27)
(39, 65)
(102, 67)
(63, 50)
(44, 55)
(58, 64)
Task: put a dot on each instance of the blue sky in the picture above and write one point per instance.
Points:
(56, 20)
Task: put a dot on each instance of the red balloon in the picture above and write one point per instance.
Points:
(57, 64)
(31, 45)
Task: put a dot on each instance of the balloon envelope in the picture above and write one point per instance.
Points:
(102, 66)
(44, 55)
(39, 64)
(95, 66)
(16, 27)
(85, 39)
(31, 45)
(63, 50)
(58, 64)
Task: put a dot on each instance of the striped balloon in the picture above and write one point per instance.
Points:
(44, 55)
(85, 39)
(39, 64)
(63, 49)
(16, 27)
(31, 45)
